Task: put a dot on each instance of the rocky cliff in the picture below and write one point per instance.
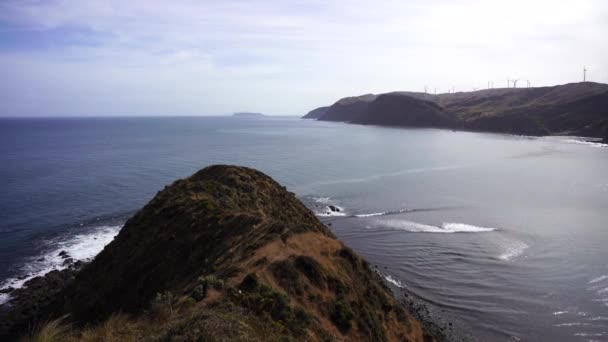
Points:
(573, 109)
(226, 254)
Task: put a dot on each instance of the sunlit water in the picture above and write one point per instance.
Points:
(505, 237)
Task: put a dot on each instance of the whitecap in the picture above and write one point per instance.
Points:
(465, 228)
(588, 143)
(598, 279)
(79, 247)
(393, 281)
(571, 324)
(371, 215)
(557, 313)
(415, 227)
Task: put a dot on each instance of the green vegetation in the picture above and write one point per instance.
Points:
(162, 308)
(262, 299)
(342, 315)
(311, 268)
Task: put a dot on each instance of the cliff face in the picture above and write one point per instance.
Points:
(576, 109)
(250, 261)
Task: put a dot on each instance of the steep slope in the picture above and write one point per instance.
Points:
(249, 259)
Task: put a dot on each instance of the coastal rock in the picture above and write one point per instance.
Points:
(6, 290)
(244, 252)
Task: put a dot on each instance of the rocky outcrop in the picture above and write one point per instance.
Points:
(575, 109)
(244, 254)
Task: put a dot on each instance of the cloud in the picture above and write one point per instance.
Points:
(206, 57)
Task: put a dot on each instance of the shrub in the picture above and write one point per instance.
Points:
(162, 306)
(311, 268)
(189, 303)
(199, 293)
(341, 315)
(211, 281)
(287, 276)
(263, 299)
(204, 283)
(337, 286)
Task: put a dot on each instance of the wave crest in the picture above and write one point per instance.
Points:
(415, 227)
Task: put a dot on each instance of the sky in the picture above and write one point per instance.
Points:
(149, 57)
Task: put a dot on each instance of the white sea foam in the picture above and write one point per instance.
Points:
(79, 247)
(323, 200)
(465, 228)
(415, 227)
(557, 313)
(598, 279)
(325, 210)
(371, 215)
(571, 324)
(513, 249)
(393, 281)
(588, 143)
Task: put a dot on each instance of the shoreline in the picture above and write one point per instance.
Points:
(590, 140)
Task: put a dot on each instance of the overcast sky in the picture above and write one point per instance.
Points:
(147, 57)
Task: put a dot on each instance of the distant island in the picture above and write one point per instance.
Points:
(248, 114)
(579, 109)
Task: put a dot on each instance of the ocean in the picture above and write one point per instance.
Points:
(504, 237)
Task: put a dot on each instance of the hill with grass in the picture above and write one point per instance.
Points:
(570, 109)
(226, 254)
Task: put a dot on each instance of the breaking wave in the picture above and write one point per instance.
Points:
(393, 281)
(82, 247)
(415, 227)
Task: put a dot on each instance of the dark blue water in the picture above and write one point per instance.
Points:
(503, 236)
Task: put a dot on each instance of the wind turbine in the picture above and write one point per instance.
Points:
(515, 83)
(528, 84)
(584, 74)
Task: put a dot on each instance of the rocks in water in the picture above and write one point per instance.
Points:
(6, 290)
(40, 259)
(63, 254)
(333, 208)
(68, 261)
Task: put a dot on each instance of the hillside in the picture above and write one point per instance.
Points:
(574, 109)
(315, 113)
(226, 254)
